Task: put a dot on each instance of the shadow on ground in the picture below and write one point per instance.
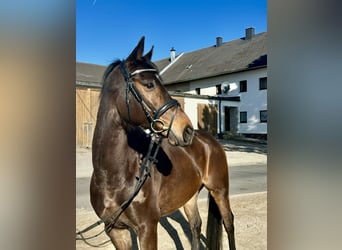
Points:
(178, 218)
(248, 147)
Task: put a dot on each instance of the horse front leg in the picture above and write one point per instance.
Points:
(195, 222)
(121, 239)
(147, 235)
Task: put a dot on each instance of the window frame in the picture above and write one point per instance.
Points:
(261, 115)
(260, 85)
(243, 86)
(246, 117)
(219, 89)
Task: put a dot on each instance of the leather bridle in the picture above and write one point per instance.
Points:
(152, 115)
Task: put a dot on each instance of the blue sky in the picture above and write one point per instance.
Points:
(109, 29)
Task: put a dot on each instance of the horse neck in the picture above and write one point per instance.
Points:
(110, 136)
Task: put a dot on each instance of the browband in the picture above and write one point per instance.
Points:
(142, 70)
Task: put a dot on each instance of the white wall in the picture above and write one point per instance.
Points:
(190, 108)
(252, 101)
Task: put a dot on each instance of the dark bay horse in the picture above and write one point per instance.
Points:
(133, 98)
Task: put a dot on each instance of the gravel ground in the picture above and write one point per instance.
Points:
(250, 212)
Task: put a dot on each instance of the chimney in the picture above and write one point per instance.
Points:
(218, 41)
(249, 33)
(172, 54)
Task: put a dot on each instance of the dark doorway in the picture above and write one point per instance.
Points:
(226, 118)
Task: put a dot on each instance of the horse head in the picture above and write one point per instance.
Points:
(142, 99)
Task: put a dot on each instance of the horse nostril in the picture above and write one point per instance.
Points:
(188, 134)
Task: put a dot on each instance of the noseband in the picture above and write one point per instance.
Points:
(153, 119)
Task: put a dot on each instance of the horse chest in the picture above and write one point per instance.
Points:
(178, 189)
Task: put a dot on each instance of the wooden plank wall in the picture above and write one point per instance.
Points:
(87, 102)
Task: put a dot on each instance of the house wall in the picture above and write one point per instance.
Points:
(252, 101)
(193, 104)
(191, 108)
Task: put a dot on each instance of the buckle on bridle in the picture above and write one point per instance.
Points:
(158, 126)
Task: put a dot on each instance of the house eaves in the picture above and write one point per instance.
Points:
(206, 97)
(86, 84)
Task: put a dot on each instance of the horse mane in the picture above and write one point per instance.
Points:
(108, 70)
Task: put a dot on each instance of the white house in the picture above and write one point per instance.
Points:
(222, 88)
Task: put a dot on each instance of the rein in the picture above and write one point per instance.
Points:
(145, 172)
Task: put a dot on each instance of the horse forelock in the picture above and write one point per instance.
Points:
(141, 64)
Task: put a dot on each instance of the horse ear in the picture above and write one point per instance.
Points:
(137, 53)
(148, 55)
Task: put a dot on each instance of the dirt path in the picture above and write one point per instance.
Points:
(250, 212)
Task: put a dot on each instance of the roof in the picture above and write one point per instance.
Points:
(89, 73)
(161, 64)
(234, 56)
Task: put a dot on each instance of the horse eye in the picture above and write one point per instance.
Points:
(150, 85)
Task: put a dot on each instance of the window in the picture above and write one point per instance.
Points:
(198, 91)
(263, 115)
(243, 86)
(218, 89)
(263, 83)
(243, 117)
